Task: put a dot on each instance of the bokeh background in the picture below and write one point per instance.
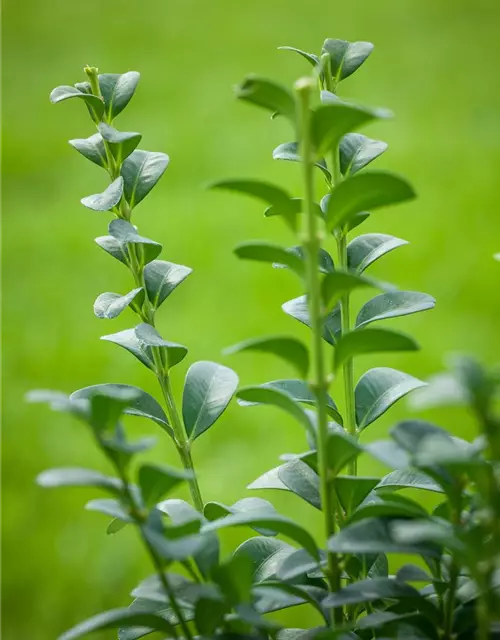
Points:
(435, 64)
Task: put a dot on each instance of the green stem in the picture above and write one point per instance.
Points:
(347, 368)
(319, 384)
(139, 519)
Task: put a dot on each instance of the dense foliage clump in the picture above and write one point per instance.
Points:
(449, 587)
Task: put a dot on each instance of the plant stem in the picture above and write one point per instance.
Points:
(182, 441)
(347, 368)
(319, 384)
(156, 560)
(148, 312)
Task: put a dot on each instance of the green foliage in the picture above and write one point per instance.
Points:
(344, 578)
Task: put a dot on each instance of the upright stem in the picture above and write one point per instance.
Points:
(347, 368)
(319, 383)
(148, 313)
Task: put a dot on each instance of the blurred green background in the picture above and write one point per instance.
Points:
(435, 64)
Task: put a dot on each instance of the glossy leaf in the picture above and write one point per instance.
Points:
(389, 453)
(298, 309)
(144, 405)
(307, 594)
(300, 391)
(123, 234)
(330, 122)
(75, 477)
(129, 341)
(378, 389)
(352, 490)
(339, 283)
(370, 591)
(310, 57)
(262, 395)
(91, 148)
(341, 449)
(393, 304)
(325, 260)
(265, 191)
(278, 523)
(356, 151)
(156, 481)
(408, 479)
(110, 305)
(290, 151)
(266, 555)
(289, 349)
(106, 200)
(117, 90)
(67, 92)
(111, 508)
(294, 476)
(216, 510)
(208, 390)
(141, 171)
(346, 57)
(373, 535)
(268, 95)
(267, 252)
(119, 618)
(161, 278)
(365, 191)
(367, 248)
(120, 143)
(390, 505)
(173, 353)
(363, 341)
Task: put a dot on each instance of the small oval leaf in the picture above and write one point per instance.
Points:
(365, 249)
(161, 278)
(106, 200)
(356, 151)
(363, 341)
(110, 305)
(394, 304)
(140, 172)
(289, 349)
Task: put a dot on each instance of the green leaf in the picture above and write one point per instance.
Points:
(216, 510)
(430, 530)
(290, 151)
(294, 476)
(367, 248)
(140, 172)
(75, 477)
(394, 304)
(300, 391)
(325, 260)
(390, 505)
(234, 578)
(156, 481)
(91, 148)
(110, 305)
(129, 341)
(346, 57)
(356, 151)
(311, 595)
(363, 341)
(377, 390)
(208, 390)
(161, 278)
(172, 352)
(160, 608)
(277, 523)
(341, 449)
(111, 508)
(125, 233)
(408, 479)
(265, 191)
(106, 200)
(266, 555)
(120, 143)
(269, 95)
(261, 395)
(330, 122)
(352, 490)
(144, 405)
(369, 591)
(337, 284)
(117, 90)
(107, 403)
(66, 92)
(310, 57)
(298, 309)
(289, 349)
(373, 535)
(116, 618)
(365, 191)
(389, 453)
(267, 252)
(299, 564)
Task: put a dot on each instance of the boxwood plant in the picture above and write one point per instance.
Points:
(352, 577)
